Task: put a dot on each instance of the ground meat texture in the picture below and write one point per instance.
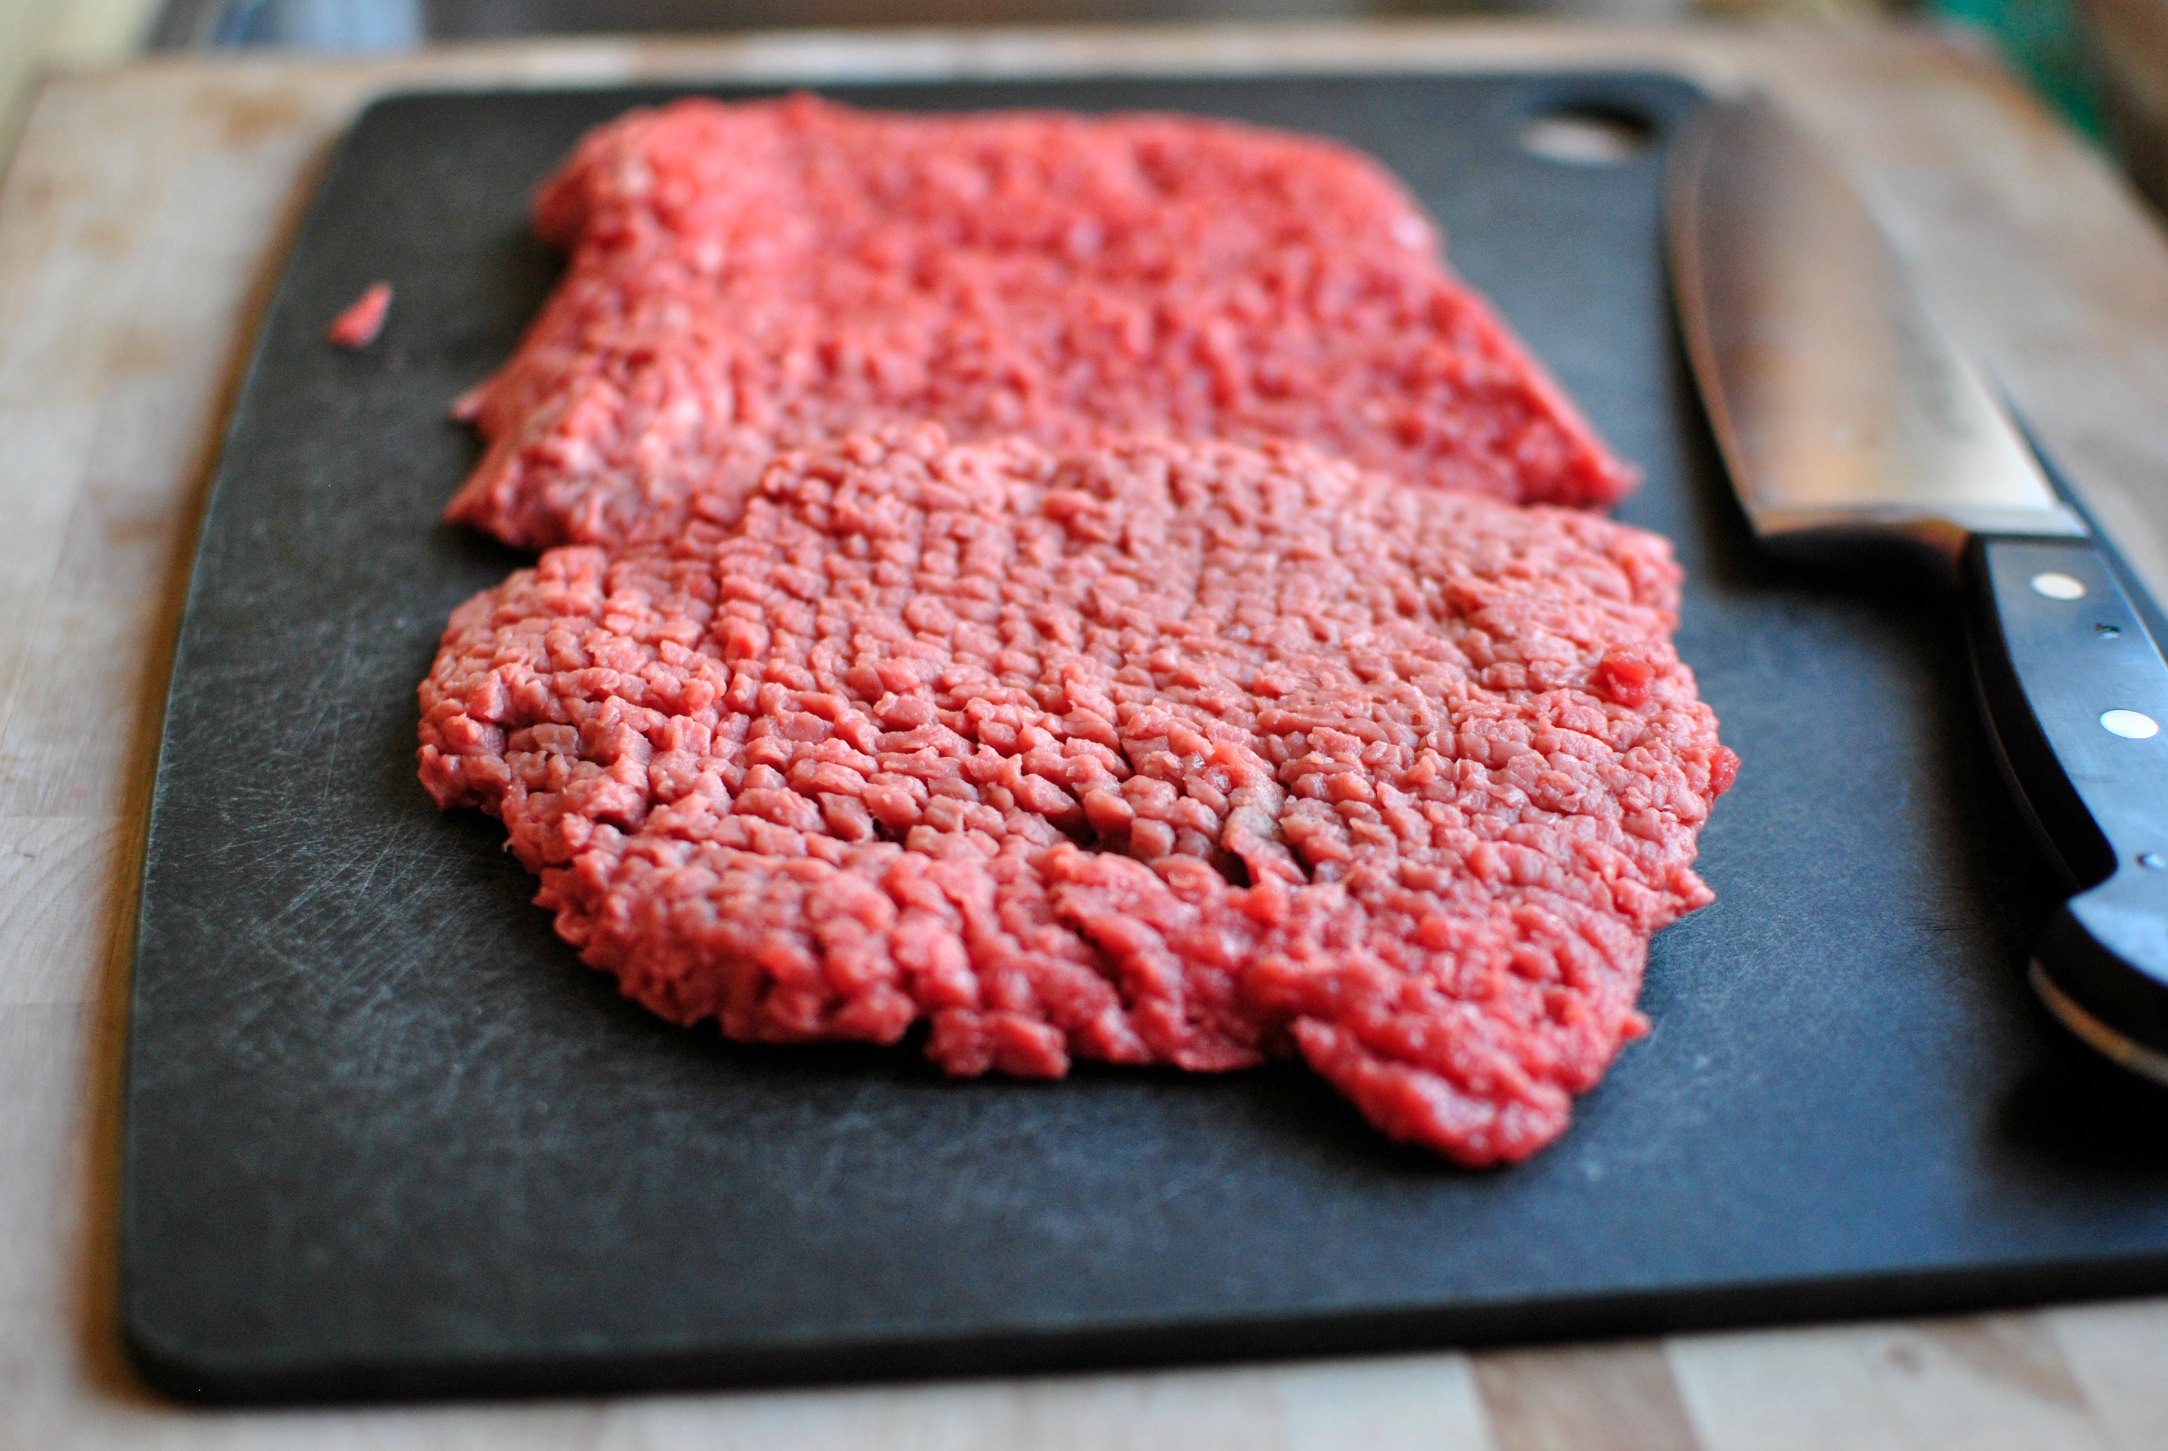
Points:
(777, 273)
(1184, 754)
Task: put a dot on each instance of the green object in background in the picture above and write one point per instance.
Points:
(2042, 42)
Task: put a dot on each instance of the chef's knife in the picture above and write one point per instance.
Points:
(1851, 423)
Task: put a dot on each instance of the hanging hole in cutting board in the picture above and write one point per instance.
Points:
(1584, 133)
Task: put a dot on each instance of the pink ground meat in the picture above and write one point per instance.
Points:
(749, 276)
(1160, 753)
(362, 320)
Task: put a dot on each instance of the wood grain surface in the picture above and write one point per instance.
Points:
(142, 217)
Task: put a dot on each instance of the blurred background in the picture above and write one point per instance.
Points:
(2102, 64)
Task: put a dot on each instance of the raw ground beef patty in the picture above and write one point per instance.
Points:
(778, 273)
(1183, 754)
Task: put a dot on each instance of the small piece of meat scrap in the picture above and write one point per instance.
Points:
(771, 274)
(358, 326)
(1163, 753)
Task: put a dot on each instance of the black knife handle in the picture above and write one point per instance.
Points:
(2077, 696)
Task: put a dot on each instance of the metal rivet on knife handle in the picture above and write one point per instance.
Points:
(2131, 725)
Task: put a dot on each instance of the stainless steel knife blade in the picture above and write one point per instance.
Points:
(1848, 419)
(1840, 404)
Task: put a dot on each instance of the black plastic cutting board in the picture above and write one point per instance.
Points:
(386, 1136)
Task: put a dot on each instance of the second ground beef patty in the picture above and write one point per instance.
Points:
(1160, 754)
(776, 273)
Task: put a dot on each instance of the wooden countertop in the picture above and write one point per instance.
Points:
(142, 220)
